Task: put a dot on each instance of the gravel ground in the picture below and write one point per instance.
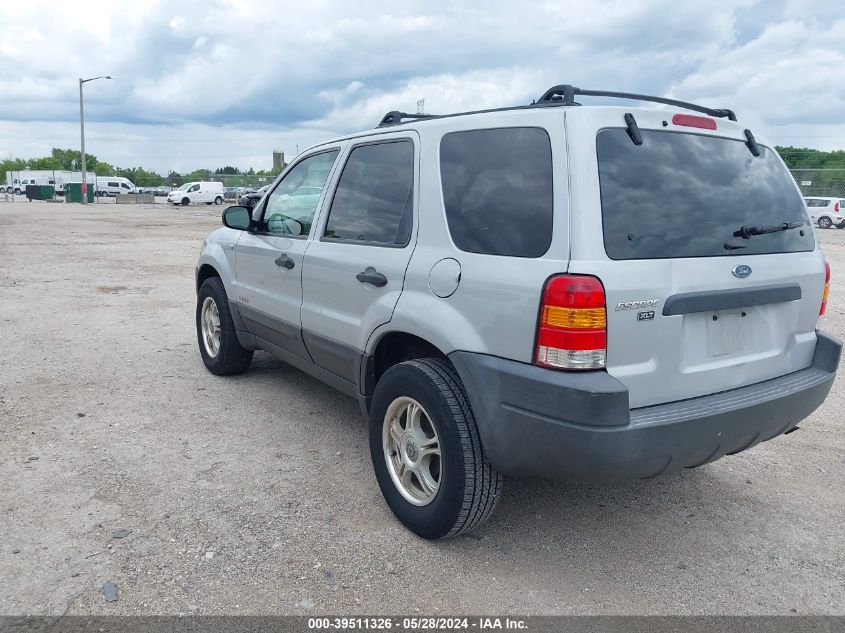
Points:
(125, 461)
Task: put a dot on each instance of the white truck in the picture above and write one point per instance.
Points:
(114, 186)
(16, 181)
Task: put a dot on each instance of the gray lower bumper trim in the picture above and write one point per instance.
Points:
(544, 427)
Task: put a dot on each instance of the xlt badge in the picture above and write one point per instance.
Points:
(636, 305)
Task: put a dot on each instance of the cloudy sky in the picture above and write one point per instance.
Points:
(204, 83)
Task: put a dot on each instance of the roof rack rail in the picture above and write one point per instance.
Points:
(564, 94)
(394, 117)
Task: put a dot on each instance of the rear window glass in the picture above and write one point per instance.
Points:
(685, 195)
(375, 195)
(497, 190)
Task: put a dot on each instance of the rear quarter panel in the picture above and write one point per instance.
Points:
(494, 309)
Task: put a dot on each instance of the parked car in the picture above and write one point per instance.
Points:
(230, 193)
(193, 192)
(249, 200)
(521, 292)
(826, 212)
(114, 186)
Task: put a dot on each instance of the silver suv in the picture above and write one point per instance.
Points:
(575, 292)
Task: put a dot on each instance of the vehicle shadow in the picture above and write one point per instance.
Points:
(690, 522)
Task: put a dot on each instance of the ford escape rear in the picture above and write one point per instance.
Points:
(588, 292)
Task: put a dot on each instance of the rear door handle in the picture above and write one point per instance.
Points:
(372, 276)
(284, 261)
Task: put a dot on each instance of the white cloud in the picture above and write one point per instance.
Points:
(291, 71)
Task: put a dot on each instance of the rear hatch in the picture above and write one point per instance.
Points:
(696, 304)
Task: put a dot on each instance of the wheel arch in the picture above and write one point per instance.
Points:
(205, 271)
(390, 348)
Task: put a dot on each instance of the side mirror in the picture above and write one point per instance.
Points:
(237, 218)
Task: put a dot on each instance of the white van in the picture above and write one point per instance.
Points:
(114, 186)
(208, 192)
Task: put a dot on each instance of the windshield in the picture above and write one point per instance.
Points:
(184, 187)
(685, 195)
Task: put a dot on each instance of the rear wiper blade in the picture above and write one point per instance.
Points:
(746, 232)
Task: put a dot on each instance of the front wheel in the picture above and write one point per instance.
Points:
(427, 453)
(824, 223)
(185, 202)
(220, 349)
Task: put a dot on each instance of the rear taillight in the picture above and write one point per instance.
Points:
(572, 326)
(826, 290)
(836, 208)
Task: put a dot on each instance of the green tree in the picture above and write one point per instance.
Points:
(11, 164)
(72, 159)
(45, 162)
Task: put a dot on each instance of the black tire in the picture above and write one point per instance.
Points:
(469, 487)
(218, 201)
(185, 202)
(232, 358)
(824, 222)
(208, 203)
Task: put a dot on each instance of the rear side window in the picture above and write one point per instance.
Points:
(817, 202)
(686, 195)
(497, 190)
(375, 195)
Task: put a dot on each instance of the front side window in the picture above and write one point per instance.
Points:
(124, 185)
(291, 205)
(194, 188)
(689, 195)
(497, 190)
(375, 195)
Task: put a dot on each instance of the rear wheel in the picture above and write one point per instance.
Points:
(220, 349)
(218, 200)
(426, 451)
(824, 222)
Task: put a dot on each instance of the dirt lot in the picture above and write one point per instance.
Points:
(255, 494)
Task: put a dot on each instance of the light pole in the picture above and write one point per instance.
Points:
(82, 133)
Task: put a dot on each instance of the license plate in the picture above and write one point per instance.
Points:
(728, 332)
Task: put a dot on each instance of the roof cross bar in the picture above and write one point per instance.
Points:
(395, 117)
(564, 94)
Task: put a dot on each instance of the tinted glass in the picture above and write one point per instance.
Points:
(816, 202)
(497, 190)
(375, 195)
(684, 195)
(287, 211)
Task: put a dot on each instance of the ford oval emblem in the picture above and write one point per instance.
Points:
(741, 270)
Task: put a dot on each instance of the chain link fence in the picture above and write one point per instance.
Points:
(820, 182)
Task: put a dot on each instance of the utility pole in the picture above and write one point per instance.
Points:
(82, 134)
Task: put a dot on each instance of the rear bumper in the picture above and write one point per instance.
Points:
(533, 421)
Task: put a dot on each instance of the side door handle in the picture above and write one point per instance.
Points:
(284, 261)
(372, 276)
